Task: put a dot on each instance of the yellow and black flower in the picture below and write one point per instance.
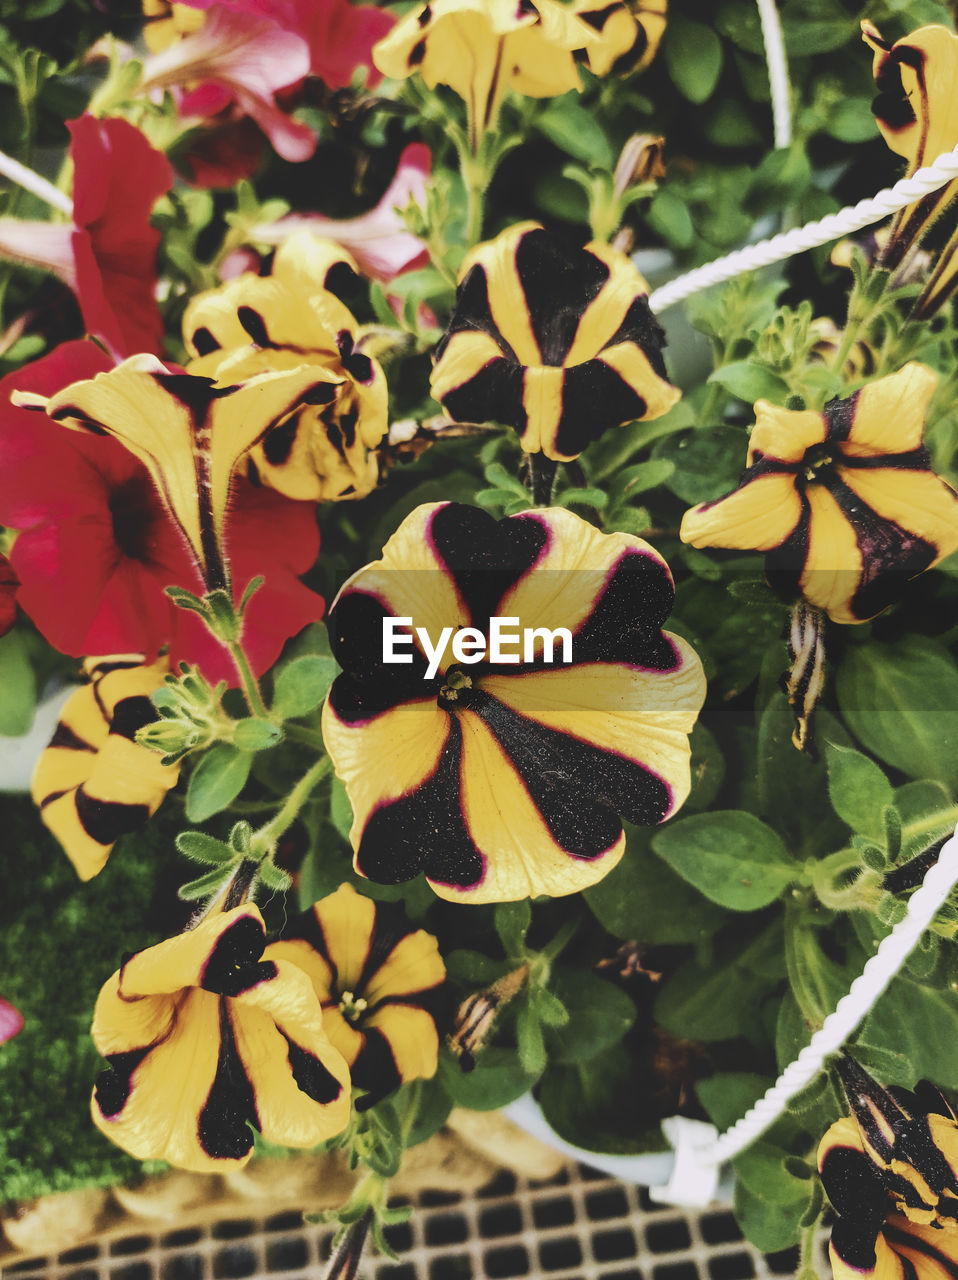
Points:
(629, 33)
(189, 432)
(481, 48)
(559, 344)
(891, 1174)
(504, 775)
(843, 502)
(94, 783)
(209, 1036)
(917, 113)
(290, 319)
(381, 986)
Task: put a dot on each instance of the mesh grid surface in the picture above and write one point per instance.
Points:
(580, 1226)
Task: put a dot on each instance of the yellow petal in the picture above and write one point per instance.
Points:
(757, 517)
(348, 923)
(412, 1038)
(306, 261)
(607, 310)
(919, 502)
(182, 961)
(413, 965)
(784, 434)
(889, 414)
(508, 304)
(833, 563)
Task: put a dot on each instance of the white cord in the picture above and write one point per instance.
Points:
(35, 184)
(700, 1157)
(777, 71)
(831, 227)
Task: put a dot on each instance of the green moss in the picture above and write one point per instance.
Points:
(59, 942)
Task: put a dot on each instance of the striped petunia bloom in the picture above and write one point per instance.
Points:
(280, 323)
(629, 33)
(556, 342)
(504, 775)
(891, 1174)
(916, 110)
(843, 501)
(381, 986)
(209, 1036)
(95, 783)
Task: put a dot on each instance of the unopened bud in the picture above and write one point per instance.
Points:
(640, 161)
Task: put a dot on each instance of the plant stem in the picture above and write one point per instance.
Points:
(251, 690)
(824, 873)
(266, 837)
(308, 737)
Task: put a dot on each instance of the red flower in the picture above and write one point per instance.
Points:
(11, 1020)
(108, 255)
(8, 590)
(340, 35)
(97, 545)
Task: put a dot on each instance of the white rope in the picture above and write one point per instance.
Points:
(777, 71)
(832, 227)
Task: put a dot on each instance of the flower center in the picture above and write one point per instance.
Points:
(352, 1007)
(816, 461)
(456, 682)
(133, 514)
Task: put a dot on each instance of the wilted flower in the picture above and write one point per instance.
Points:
(640, 161)
(97, 546)
(481, 48)
(289, 320)
(891, 1173)
(379, 241)
(209, 1037)
(94, 783)
(558, 343)
(629, 34)
(380, 983)
(917, 112)
(108, 255)
(188, 432)
(506, 779)
(843, 501)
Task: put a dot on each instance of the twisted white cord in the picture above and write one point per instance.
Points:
(848, 1013)
(832, 227)
(777, 71)
(34, 183)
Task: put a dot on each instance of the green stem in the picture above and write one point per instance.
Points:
(264, 840)
(475, 178)
(251, 690)
(308, 737)
(806, 1267)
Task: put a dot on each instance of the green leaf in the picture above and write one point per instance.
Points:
(707, 462)
(431, 1113)
(530, 1043)
(669, 216)
(792, 786)
(730, 856)
(919, 1027)
(597, 1104)
(274, 877)
(708, 769)
(643, 898)
(769, 1202)
(750, 382)
(203, 848)
(302, 685)
(575, 131)
(474, 969)
(600, 1014)
(858, 789)
(496, 1079)
(901, 701)
(340, 810)
(216, 781)
(18, 686)
(253, 734)
(205, 886)
(718, 998)
(693, 55)
(552, 1012)
(727, 1095)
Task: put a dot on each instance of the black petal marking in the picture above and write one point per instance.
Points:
(424, 830)
(311, 1076)
(204, 342)
(375, 1070)
(255, 326)
(558, 285)
(903, 1239)
(492, 394)
(230, 1108)
(624, 625)
(234, 964)
(640, 326)
(368, 687)
(131, 714)
(106, 820)
(594, 398)
(68, 740)
(278, 441)
(113, 1085)
(632, 56)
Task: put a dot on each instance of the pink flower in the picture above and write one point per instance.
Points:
(379, 240)
(237, 61)
(340, 35)
(108, 256)
(8, 592)
(97, 546)
(11, 1020)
